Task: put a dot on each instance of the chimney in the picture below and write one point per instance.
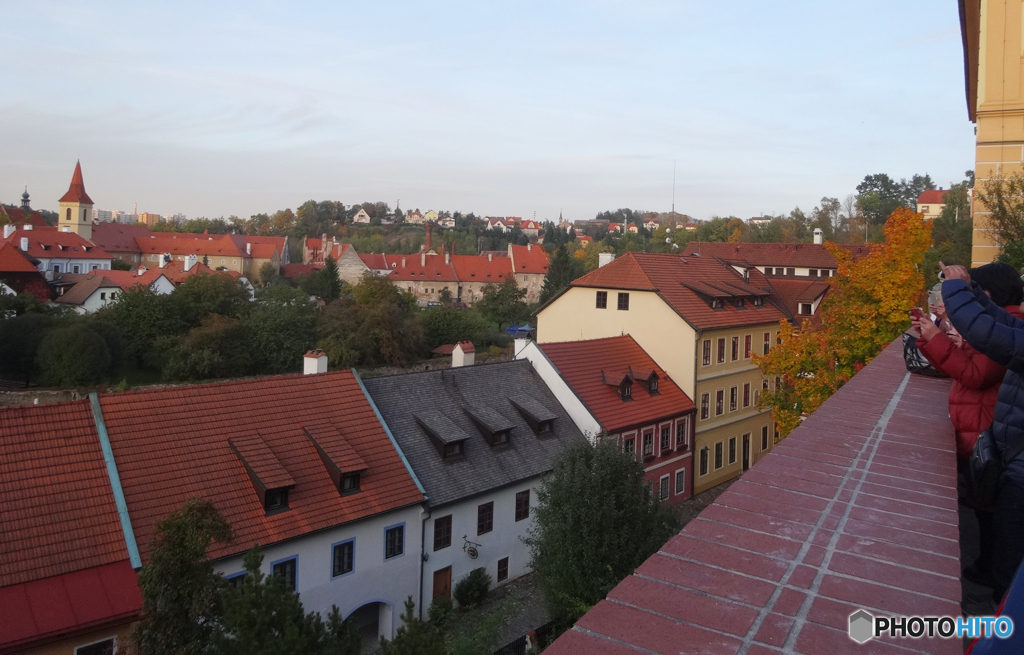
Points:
(453, 247)
(313, 362)
(142, 270)
(164, 258)
(490, 256)
(464, 354)
(510, 250)
(403, 262)
(9, 230)
(427, 245)
(190, 261)
(28, 226)
(604, 258)
(248, 248)
(423, 259)
(24, 244)
(447, 259)
(817, 236)
(529, 247)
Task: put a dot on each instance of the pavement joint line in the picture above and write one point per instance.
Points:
(598, 635)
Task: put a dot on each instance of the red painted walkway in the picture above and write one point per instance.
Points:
(855, 509)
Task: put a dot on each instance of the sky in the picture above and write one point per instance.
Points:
(507, 109)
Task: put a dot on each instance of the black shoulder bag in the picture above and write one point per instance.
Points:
(915, 360)
(985, 467)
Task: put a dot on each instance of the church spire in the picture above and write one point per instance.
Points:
(24, 201)
(76, 192)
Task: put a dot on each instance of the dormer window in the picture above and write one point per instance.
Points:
(342, 462)
(626, 391)
(716, 303)
(270, 480)
(738, 303)
(499, 437)
(652, 385)
(758, 302)
(453, 449)
(350, 483)
(276, 499)
(544, 427)
(540, 419)
(446, 436)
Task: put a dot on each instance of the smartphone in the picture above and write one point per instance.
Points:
(917, 313)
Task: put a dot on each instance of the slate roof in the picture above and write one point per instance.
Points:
(580, 363)
(172, 444)
(684, 283)
(56, 492)
(449, 393)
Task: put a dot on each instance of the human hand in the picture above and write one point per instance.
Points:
(955, 272)
(928, 329)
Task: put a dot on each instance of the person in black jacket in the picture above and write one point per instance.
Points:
(995, 333)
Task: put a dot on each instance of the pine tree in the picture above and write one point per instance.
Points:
(562, 271)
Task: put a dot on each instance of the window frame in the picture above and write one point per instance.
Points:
(112, 639)
(680, 488)
(629, 444)
(764, 438)
(664, 489)
(718, 455)
(706, 359)
(732, 450)
(388, 529)
(519, 497)
(441, 520)
(601, 300)
(484, 518)
(735, 349)
(352, 559)
(748, 344)
(767, 342)
(285, 560)
(622, 303)
(704, 457)
(665, 440)
(746, 394)
(720, 359)
(685, 440)
(499, 577)
(705, 406)
(719, 402)
(734, 398)
(648, 443)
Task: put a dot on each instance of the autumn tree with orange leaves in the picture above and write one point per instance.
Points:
(866, 309)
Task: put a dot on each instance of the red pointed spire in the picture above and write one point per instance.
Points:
(76, 192)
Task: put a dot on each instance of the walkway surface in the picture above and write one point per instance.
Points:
(857, 508)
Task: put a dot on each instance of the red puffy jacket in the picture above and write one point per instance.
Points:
(976, 380)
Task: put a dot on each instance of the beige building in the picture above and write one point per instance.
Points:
(75, 213)
(993, 37)
(701, 320)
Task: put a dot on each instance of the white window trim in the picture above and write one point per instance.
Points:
(664, 483)
(676, 481)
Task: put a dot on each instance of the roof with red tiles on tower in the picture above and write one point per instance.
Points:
(49, 243)
(76, 192)
(588, 367)
(689, 285)
(855, 509)
(172, 444)
(932, 197)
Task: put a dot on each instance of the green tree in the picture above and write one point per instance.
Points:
(1003, 197)
(181, 594)
(203, 294)
(214, 349)
(446, 324)
(119, 265)
(595, 523)
(269, 274)
(414, 637)
(79, 353)
(20, 338)
(503, 303)
(143, 317)
(562, 271)
(278, 329)
(325, 283)
(1012, 254)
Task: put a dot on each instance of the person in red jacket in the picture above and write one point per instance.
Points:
(975, 388)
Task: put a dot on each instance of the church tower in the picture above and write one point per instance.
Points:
(76, 208)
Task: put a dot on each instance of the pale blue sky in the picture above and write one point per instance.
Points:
(236, 108)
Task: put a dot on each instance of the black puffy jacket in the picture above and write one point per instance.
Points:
(993, 332)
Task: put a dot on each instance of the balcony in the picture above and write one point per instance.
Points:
(857, 508)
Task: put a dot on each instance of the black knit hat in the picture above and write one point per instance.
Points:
(1002, 282)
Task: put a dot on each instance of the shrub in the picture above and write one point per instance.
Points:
(473, 588)
(440, 610)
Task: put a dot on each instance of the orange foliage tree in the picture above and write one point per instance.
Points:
(866, 308)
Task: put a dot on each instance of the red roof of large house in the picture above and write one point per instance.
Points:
(478, 268)
(59, 509)
(12, 260)
(76, 192)
(378, 262)
(18, 216)
(793, 291)
(217, 245)
(422, 268)
(589, 367)
(172, 444)
(117, 237)
(49, 243)
(802, 255)
(530, 259)
(687, 284)
(295, 270)
(932, 197)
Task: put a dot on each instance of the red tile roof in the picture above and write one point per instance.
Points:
(117, 237)
(530, 259)
(171, 444)
(84, 285)
(793, 291)
(59, 511)
(378, 262)
(803, 255)
(12, 260)
(76, 192)
(18, 217)
(580, 363)
(672, 276)
(857, 508)
(216, 245)
(932, 197)
(86, 599)
(477, 268)
(48, 242)
(295, 270)
(433, 269)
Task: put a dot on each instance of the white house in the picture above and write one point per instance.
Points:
(57, 252)
(480, 439)
(361, 217)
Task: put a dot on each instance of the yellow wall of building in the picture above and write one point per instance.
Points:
(1000, 110)
(76, 216)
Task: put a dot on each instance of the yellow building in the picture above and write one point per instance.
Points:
(701, 320)
(993, 37)
(76, 207)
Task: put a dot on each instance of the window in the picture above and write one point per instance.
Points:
(275, 499)
(453, 449)
(721, 351)
(56, 268)
(666, 438)
(764, 437)
(746, 394)
(703, 405)
(652, 385)
(758, 302)
(443, 532)
(502, 569)
(764, 384)
(236, 580)
(626, 390)
(522, 505)
(681, 433)
(805, 308)
(790, 271)
(394, 541)
(484, 518)
(343, 558)
(103, 295)
(499, 437)
(105, 647)
(704, 460)
(707, 352)
(663, 488)
(67, 214)
(767, 341)
(648, 444)
(680, 481)
(629, 445)
(76, 269)
(813, 272)
(732, 450)
(113, 294)
(602, 300)
(624, 301)
(746, 346)
(735, 348)
(718, 455)
(286, 569)
(733, 397)
(719, 402)
(778, 382)
(350, 483)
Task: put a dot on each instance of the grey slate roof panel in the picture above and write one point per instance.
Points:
(482, 468)
(532, 407)
(441, 426)
(490, 419)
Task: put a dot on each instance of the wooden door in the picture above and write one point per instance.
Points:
(442, 582)
(746, 452)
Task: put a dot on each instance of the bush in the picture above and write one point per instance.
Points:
(473, 588)
(440, 610)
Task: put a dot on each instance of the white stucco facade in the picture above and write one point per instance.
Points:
(50, 265)
(578, 412)
(373, 579)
